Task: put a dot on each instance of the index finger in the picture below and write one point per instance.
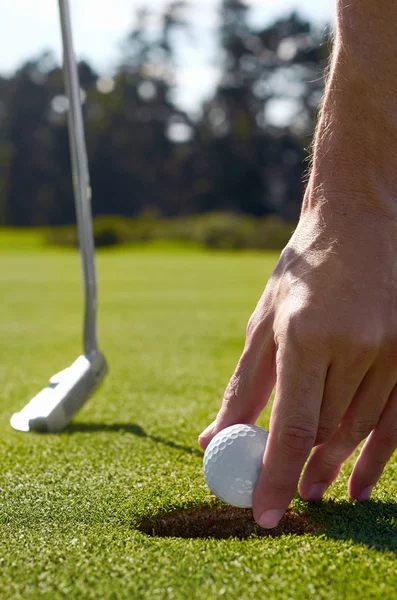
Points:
(293, 429)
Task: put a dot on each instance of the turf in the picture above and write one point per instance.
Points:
(116, 507)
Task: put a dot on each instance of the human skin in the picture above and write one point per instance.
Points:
(325, 329)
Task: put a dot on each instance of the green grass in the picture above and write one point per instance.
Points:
(172, 327)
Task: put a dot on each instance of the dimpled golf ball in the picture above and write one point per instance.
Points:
(232, 463)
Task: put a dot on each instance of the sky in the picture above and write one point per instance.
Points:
(28, 27)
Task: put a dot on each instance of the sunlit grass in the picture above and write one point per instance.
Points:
(172, 326)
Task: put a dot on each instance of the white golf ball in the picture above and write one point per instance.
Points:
(232, 463)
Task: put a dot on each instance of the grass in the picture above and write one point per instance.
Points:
(116, 506)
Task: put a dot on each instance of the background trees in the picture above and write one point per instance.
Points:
(145, 153)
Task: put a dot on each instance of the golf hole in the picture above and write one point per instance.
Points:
(223, 522)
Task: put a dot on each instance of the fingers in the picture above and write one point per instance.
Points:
(361, 418)
(341, 385)
(250, 387)
(292, 434)
(376, 452)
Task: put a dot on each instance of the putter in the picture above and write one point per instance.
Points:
(52, 409)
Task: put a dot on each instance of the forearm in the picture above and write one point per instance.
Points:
(355, 145)
(367, 42)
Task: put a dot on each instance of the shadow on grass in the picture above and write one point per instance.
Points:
(373, 524)
(130, 428)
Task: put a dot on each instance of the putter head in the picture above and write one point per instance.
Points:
(52, 409)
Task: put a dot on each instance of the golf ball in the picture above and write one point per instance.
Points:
(232, 463)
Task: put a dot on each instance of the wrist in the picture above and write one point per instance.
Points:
(368, 82)
(366, 45)
(355, 148)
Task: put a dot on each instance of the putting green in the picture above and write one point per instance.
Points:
(116, 507)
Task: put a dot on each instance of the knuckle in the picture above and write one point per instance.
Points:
(232, 389)
(297, 439)
(256, 330)
(279, 488)
(300, 331)
(325, 432)
(250, 327)
(295, 324)
(258, 326)
(357, 431)
(331, 464)
(362, 353)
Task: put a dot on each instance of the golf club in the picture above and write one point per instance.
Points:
(52, 409)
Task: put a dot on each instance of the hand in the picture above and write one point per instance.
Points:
(325, 331)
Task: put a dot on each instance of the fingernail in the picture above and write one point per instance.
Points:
(316, 492)
(207, 430)
(365, 494)
(270, 518)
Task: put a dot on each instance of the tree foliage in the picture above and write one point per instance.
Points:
(145, 153)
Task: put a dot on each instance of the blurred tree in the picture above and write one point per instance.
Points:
(39, 187)
(31, 143)
(5, 150)
(260, 163)
(132, 130)
(245, 153)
